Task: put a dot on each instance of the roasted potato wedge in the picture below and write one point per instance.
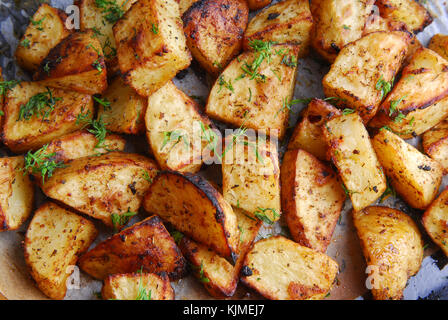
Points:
(435, 221)
(362, 69)
(435, 144)
(151, 45)
(414, 176)
(24, 128)
(288, 21)
(258, 4)
(419, 100)
(145, 246)
(196, 209)
(46, 29)
(312, 199)
(137, 286)
(410, 12)
(184, 5)
(214, 31)
(124, 111)
(173, 127)
(308, 134)
(108, 187)
(336, 24)
(76, 63)
(251, 177)
(239, 101)
(439, 44)
(280, 269)
(16, 193)
(392, 247)
(54, 240)
(352, 153)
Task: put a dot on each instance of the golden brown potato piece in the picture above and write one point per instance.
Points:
(392, 247)
(352, 153)
(288, 21)
(16, 193)
(258, 4)
(145, 246)
(219, 277)
(184, 5)
(124, 111)
(196, 209)
(151, 45)
(336, 24)
(312, 199)
(251, 177)
(237, 96)
(54, 240)
(174, 126)
(435, 144)
(308, 132)
(280, 269)
(23, 126)
(137, 286)
(363, 69)
(414, 176)
(76, 63)
(420, 98)
(439, 44)
(108, 187)
(214, 31)
(410, 12)
(46, 29)
(435, 221)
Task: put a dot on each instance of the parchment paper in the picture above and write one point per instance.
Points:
(15, 282)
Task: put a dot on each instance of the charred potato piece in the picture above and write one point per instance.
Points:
(420, 98)
(137, 286)
(174, 129)
(251, 177)
(108, 187)
(196, 209)
(392, 247)
(435, 144)
(184, 5)
(76, 63)
(352, 153)
(214, 30)
(145, 246)
(46, 29)
(312, 199)
(239, 101)
(308, 133)
(362, 69)
(54, 240)
(258, 4)
(410, 12)
(435, 221)
(124, 111)
(151, 45)
(288, 21)
(414, 176)
(24, 128)
(336, 24)
(16, 193)
(280, 269)
(439, 44)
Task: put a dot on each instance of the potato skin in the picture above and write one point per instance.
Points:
(392, 245)
(146, 245)
(53, 30)
(175, 197)
(23, 135)
(414, 176)
(126, 286)
(435, 221)
(280, 269)
(54, 240)
(258, 4)
(312, 199)
(435, 144)
(214, 31)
